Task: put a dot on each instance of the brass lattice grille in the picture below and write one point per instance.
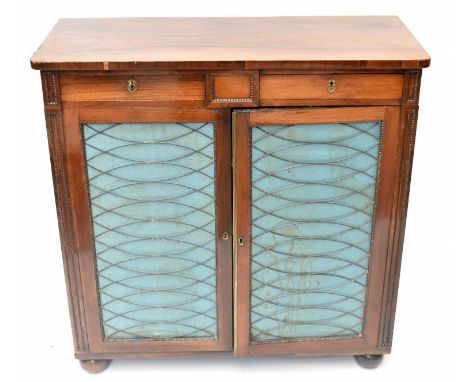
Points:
(313, 197)
(152, 203)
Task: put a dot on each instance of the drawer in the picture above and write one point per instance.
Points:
(163, 87)
(331, 87)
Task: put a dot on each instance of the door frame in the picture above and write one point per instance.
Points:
(386, 191)
(81, 221)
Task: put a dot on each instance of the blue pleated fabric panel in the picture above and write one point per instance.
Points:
(313, 201)
(153, 209)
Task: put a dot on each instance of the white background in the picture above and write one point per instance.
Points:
(431, 322)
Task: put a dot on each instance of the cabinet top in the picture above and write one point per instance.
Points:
(318, 42)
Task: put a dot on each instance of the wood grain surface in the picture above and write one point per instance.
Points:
(230, 43)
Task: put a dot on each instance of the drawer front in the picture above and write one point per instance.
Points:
(233, 89)
(163, 87)
(331, 87)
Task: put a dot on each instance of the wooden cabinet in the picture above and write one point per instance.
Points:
(220, 194)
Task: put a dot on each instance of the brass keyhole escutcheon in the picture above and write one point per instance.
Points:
(132, 86)
(331, 86)
(225, 236)
(241, 241)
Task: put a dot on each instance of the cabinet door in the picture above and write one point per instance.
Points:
(152, 207)
(312, 206)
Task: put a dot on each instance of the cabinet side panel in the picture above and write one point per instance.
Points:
(408, 122)
(55, 135)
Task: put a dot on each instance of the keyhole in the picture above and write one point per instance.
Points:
(241, 241)
(132, 86)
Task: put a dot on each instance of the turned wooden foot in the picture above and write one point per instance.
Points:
(369, 361)
(95, 365)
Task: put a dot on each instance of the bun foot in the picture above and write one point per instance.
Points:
(95, 365)
(369, 361)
